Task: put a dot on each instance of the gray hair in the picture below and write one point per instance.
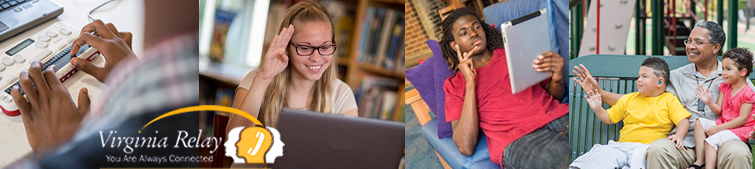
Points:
(716, 33)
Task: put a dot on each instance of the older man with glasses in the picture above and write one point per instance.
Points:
(703, 46)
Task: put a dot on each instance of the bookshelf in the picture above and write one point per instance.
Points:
(352, 59)
(369, 51)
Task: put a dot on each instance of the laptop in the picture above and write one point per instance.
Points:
(523, 40)
(316, 140)
(17, 16)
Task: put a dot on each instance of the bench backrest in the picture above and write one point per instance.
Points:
(615, 73)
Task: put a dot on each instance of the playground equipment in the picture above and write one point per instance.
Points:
(669, 29)
(613, 28)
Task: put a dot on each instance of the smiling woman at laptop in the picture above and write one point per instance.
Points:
(524, 130)
(298, 71)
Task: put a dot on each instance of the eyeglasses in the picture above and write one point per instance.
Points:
(696, 43)
(306, 50)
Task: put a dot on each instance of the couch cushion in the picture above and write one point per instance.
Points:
(428, 79)
(450, 153)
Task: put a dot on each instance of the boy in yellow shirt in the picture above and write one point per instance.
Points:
(648, 115)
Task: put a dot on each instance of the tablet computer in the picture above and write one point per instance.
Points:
(524, 39)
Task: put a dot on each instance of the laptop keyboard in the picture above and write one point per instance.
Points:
(9, 4)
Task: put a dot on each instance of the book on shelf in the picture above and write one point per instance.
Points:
(214, 96)
(382, 35)
(342, 13)
(388, 106)
(377, 98)
(224, 97)
(399, 116)
(401, 62)
(223, 21)
(385, 35)
(396, 41)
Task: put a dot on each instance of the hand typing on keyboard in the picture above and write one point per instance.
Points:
(113, 45)
(49, 114)
(50, 117)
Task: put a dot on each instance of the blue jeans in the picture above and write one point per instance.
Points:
(547, 147)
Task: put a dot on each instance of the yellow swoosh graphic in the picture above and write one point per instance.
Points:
(206, 108)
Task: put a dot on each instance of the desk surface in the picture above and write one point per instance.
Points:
(229, 74)
(126, 15)
(13, 142)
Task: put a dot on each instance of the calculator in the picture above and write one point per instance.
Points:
(50, 46)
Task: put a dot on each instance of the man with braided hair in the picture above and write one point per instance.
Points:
(524, 130)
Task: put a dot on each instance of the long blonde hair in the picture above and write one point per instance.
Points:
(276, 94)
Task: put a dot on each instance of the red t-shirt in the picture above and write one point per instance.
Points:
(503, 117)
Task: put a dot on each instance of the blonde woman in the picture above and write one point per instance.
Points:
(298, 71)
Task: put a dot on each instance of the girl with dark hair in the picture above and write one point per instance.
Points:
(733, 105)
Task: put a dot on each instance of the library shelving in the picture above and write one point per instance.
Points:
(375, 53)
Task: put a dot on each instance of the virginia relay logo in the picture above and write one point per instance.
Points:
(258, 144)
